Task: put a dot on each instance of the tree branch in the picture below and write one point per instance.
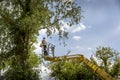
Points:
(8, 19)
(1, 0)
(20, 2)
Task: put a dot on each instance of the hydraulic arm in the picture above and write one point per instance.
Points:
(78, 57)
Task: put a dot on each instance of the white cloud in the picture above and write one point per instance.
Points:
(42, 31)
(79, 27)
(68, 0)
(38, 48)
(45, 72)
(65, 26)
(76, 38)
(77, 47)
(89, 48)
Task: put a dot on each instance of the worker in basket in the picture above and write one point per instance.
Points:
(44, 46)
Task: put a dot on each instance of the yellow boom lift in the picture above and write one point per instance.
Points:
(80, 58)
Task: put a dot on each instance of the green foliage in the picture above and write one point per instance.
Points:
(16, 74)
(108, 59)
(34, 60)
(20, 21)
(68, 70)
(115, 71)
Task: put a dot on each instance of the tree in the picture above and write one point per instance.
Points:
(108, 59)
(69, 70)
(115, 71)
(20, 21)
(34, 60)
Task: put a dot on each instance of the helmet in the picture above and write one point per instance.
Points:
(43, 37)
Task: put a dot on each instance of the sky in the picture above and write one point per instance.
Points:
(100, 26)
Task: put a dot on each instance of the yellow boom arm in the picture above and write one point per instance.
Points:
(78, 57)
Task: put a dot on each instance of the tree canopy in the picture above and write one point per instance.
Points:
(108, 59)
(20, 21)
(73, 70)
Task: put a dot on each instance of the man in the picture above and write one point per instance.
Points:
(53, 49)
(44, 46)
